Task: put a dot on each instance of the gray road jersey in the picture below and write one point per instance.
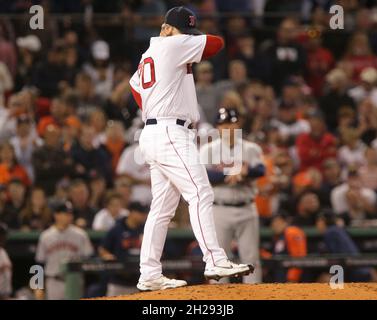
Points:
(56, 247)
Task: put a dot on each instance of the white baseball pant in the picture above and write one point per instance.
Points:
(170, 151)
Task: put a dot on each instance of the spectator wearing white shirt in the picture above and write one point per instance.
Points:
(24, 143)
(367, 87)
(132, 165)
(368, 172)
(105, 219)
(288, 125)
(353, 201)
(353, 150)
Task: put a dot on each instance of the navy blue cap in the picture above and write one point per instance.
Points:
(183, 19)
(62, 206)
(227, 115)
(139, 207)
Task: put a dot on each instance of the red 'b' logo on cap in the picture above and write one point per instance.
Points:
(192, 21)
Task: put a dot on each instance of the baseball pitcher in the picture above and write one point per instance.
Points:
(163, 87)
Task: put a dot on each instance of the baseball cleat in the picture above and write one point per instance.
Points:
(161, 283)
(228, 269)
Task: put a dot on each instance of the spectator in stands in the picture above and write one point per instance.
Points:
(338, 241)
(88, 100)
(9, 167)
(368, 172)
(319, 61)
(123, 186)
(285, 57)
(288, 240)
(120, 105)
(336, 97)
(288, 125)
(353, 151)
(59, 116)
(246, 52)
(25, 142)
(133, 166)
(97, 189)
(7, 50)
(61, 192)
(359, 55)
(147, 20)
(88, 158)
(331, 173)
(315, 147)
(82, 211)
(100, 69)
(353, 201)
(15, 203)
(122, 242)
(5, 266)
(205, 90)
(50, 73)
(367, 120)
(366, 88)
(114, 142)
(237, 73)
(36, 215)
(308, 206)
(98, 121)
(28, 48)
(59, 244)
(8, 115)
(105, 219)
(51, 163)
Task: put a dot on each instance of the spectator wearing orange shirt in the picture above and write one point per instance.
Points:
(58, 116)
(288, 240)
(115, 141)
(9, 168)
(315, 147)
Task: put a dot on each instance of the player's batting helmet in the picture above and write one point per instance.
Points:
(227, 115)
(183, 19)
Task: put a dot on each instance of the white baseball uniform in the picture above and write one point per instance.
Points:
(166, 85)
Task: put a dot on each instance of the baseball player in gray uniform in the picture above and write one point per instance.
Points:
(61, 243)
(235, 213)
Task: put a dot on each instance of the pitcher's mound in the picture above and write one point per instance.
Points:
(310, 291)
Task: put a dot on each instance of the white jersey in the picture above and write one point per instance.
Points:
(56, 247)
(164, 78)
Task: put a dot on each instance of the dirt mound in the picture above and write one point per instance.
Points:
(312, 291)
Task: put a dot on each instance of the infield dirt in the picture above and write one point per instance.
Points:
(312, 291)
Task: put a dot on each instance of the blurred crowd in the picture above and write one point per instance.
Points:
(307, 96)
(68, 121)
